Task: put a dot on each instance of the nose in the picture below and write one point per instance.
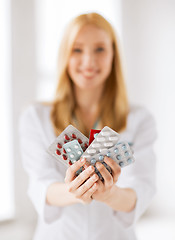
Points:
(88, 61)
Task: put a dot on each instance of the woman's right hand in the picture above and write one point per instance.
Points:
(84, 185)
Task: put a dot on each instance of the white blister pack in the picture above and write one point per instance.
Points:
(107, 144)
(69, 134)
(120, 153)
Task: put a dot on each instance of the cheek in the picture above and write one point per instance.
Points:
(71, 65)
(106, 62)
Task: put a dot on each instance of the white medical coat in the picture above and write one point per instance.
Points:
(95, 221)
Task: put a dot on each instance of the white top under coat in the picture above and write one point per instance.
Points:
(95, 221)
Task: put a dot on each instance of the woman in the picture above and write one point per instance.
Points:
(90, 94)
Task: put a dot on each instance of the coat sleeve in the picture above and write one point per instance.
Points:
(38, 164)
(140, 175)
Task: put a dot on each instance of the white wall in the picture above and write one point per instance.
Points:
(149, 47)
(24, 79)
(6, 143)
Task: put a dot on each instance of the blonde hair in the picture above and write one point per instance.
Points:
(113, 109)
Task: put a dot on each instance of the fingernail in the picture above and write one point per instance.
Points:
(86, 165)
(98, 164)
(90, 168)
(95, 176)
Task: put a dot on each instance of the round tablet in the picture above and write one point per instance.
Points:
(93, 160)
(118, 157)
(116, 150)
(101, 157)
(129, 160)
(68, 150)
(121, 164)
(126, 153)
(124, 147)
(108, 154)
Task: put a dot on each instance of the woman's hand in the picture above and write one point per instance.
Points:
(105, 188)
(83, 186)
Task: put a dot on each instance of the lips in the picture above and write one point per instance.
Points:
(89, 74)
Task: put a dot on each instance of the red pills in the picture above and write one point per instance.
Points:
(58, 152)
(70, 163)
(66, 137)
(59, 145)
(80, 141)
(64, 157)
(74, 136)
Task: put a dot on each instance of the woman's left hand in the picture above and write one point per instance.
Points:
(105, 188)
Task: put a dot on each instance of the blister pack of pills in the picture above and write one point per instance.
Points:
(69, 145)
(107, 144)
(120, 153)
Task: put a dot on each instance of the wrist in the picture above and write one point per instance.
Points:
(114, 192)
(121, 199)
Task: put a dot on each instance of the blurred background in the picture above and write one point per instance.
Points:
(30, 33)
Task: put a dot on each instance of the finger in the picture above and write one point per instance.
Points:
(90, 192)
(82, 177)
(87, 185)
(116, 170)
(86, 165)
(70, 173)
(108, 179)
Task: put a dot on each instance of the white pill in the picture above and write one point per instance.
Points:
(91, 151)
(108, 144)
(79, 152)
(86, 156)
(72, 155)
(113, 138)
(100, 139)
(96, 145)
(107, 133)
(68, 150)
(102, 149)
(76, 146)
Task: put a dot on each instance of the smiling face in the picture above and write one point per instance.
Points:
(90, 62)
